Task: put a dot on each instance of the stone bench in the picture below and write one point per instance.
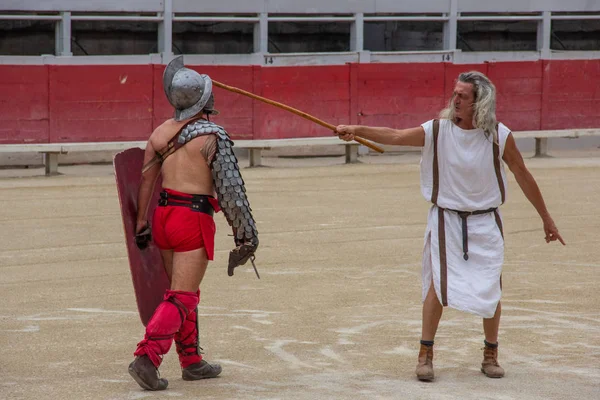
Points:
(255, 147)
(541, 137)
(51, 151)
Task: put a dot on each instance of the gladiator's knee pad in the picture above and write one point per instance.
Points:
(168, 318)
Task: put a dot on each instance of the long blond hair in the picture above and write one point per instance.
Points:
(484, 106)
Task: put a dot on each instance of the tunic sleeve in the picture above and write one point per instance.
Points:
(428, 127)
(427, 161)
(503, 133)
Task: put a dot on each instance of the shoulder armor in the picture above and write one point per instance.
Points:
(199, 128)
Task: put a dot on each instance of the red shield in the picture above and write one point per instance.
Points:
(149, 277)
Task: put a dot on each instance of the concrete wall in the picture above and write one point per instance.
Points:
(122, 37)
(404, 36)
(28, 38)
(576, 35)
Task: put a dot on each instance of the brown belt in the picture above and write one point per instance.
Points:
(465, 234)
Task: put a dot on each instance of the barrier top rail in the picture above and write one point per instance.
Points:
(359, 15)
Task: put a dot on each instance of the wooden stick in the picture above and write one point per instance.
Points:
(295, 111)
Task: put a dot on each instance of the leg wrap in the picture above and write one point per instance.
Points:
(187, 340)
(166, 321)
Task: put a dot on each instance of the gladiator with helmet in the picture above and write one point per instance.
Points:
(200, 176)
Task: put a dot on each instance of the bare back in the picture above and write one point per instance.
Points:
(187, 169)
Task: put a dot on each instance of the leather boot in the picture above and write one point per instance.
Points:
(490, 366)
(146, 375)
(425, 366)
(201, 370)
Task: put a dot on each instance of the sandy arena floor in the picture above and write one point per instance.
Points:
(337, 312)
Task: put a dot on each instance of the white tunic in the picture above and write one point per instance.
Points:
(467, 182)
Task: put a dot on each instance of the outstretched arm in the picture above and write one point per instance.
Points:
(397, 137)
(530, 189)
(146, 189)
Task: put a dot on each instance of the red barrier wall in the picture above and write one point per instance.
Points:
(571, 94)
(100, 103)
(519, 94)
(402, 95)
(320, 91)
(24, 114)
(126, 102)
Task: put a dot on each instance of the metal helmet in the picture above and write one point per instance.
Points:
(187, 90)
(209, 108)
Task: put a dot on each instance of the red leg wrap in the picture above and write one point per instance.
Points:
(186, 340)
(166, 321)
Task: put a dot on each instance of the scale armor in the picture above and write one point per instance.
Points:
(231, 192)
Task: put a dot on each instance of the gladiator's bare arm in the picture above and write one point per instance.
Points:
(146, 188)
(396, 137)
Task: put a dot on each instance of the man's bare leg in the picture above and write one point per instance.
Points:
(167, 256)
(492, 325)
(490, 366)
(188, 270)
(432, 313)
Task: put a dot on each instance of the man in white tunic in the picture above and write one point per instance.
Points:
(461, 174)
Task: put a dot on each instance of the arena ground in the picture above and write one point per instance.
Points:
(337, 312)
